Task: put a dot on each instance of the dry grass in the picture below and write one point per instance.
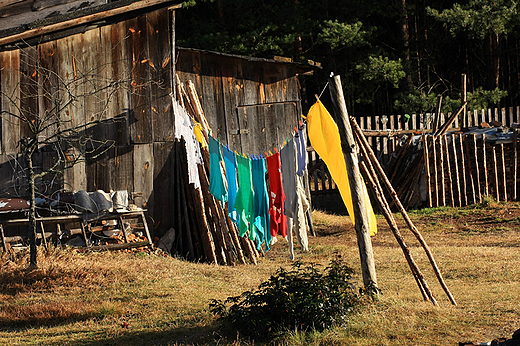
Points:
(134, 299)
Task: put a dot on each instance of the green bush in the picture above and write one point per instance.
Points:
(299, 298)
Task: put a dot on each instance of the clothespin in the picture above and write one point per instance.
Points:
(266, 154)
(296, 129)
(245, 156)
(227, 146)
(317, 97)
(270, 153)
(300, 122)
(276, 150)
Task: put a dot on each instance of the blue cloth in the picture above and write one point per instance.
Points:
(301, 156)
(261, 204)
(230, 160)
(216, 176)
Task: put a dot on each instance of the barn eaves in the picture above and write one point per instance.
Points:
(28, 22)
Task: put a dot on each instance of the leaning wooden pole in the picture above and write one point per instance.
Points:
(385, 209)
(349, 148)
(398, 203)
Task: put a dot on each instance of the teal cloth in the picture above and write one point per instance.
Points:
(217, 187)
(260, 204)
(245, 195)
(230, 160)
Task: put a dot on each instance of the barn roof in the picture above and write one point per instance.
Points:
(309, 65)
(22, 20)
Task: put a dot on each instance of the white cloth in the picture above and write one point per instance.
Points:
(184, 128)
(296, 203)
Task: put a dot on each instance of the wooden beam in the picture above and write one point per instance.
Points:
(103, 15)
(348, 145)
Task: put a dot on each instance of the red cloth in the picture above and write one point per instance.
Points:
(276, 196)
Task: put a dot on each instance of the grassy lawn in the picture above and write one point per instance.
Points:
(140, 299)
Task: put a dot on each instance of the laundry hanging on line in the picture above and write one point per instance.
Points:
(184, 127)
(324, 137)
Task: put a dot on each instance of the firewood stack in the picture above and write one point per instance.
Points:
(203, 230)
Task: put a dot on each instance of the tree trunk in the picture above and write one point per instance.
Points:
(33, 263)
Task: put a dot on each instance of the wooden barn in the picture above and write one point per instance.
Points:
(119, 56)
(252, 104)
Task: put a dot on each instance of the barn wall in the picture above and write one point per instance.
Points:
(251, 105)
(137, 116)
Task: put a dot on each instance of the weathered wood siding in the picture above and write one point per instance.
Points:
(136, 52)
(252, 105)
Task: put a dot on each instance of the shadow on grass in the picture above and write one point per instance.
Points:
(204, 335)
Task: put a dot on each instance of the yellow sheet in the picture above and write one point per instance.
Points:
(324, 137)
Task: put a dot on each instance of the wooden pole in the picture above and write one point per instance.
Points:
(398, 203)
(463, 101)
(515, 162)
(456, 166)
(234, 237)
(349, 148)
(464, 191)
(484, 164)
(477, 170)
(435, 171)
(444, 140)
(207, 239)
(437, 115)
(495, 171)
(441, 168)
(385, 209)
(444, 128)
(503, 168)
(470, 170)
(427, 169)
(2, 236)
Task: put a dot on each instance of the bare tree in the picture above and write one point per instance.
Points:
(43, 104)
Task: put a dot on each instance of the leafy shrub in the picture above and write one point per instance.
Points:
(299, 298)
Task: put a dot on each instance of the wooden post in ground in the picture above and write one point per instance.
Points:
(456, 166)
(427, 169)
(464, 98)
(484, 164)
(477, 170)
(503, 166)
(515, 162)
(444, 140)
(350, 153)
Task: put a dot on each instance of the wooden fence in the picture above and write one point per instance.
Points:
(462, 168)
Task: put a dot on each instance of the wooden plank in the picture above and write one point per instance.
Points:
(143, 158)
(10, 100)
(48, 84)
(122, 169)
(233, 96)
(28, 90)
(163, 197)
(160, 63)
(118, 69)
(140, 120)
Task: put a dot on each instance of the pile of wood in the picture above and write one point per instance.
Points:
(203, 230)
